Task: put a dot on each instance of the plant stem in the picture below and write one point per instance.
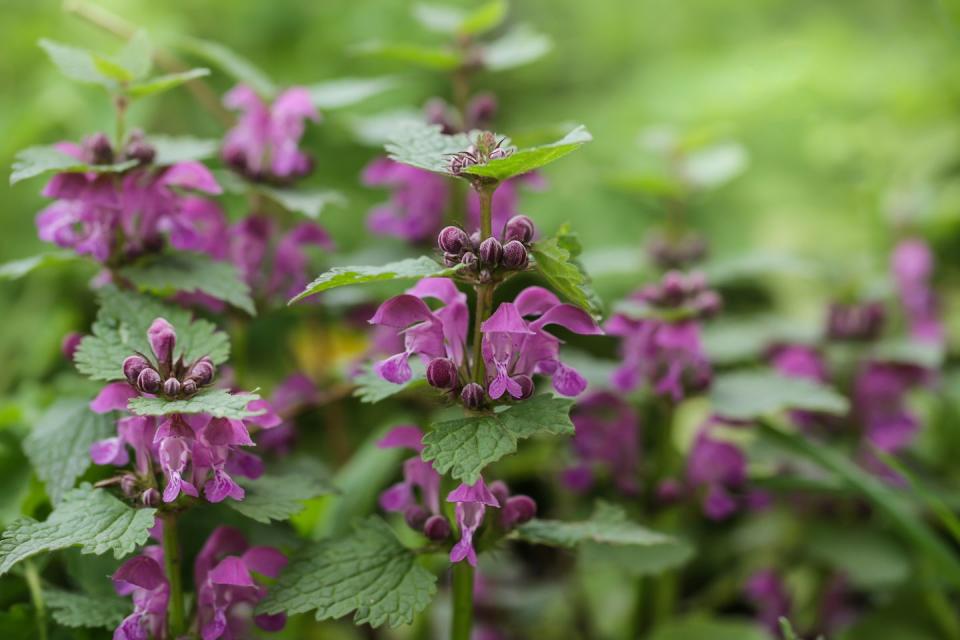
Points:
(485, 191)
(36, 596)
(172, 562)
(484, 305)
(462, 601)
(120, 103)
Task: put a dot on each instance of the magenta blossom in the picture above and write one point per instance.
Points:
(880, 403)
(607, 437)
(472, 501)
(264, 143)
(912, 265)
(417, 496)
(767, 593)
(801, 361)
(142, 577)
(717, 469)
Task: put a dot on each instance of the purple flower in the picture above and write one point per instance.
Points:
(717, 468)
(472, 501)
(419, 491)
(264, 143)
(226, 589)
(800, 361)
(912, 265)
(607, 436)
(142, 577)
(880, 403)
(768, 594)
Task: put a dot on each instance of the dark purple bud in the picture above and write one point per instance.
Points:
(473, 396)
(442, 373)
(515, 255)
(500, 491)
(475, 241)
(519, 228)
(519, 509)
(436, 528)
(128, 484)
(452, 240)
(202, 372)
(98, 149)
(140, 150)
(150, 497)
(162, 339)
(69, 344)
(451, 259)
(500, 152)
(708, 303)
(491, 252)
(674, 287)
(481, 110)
(415, 516)
(486, 276)
(469, 258)
(669, 491)
(171, 387)
(189, 387)
(132, 367)
(149, 380)
(526, 385)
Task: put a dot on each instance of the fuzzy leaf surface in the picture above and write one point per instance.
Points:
(40, 160)
(309, 202)
(159, 84)
(278, 496)
(344, 92)
(555, 260)
(746, 395)
(219, 403)
(409, 269)
(172, 149)
(425, 146)
(526, 160)
(519, 46)
(371, 388)
(16, 269)
(81, 610)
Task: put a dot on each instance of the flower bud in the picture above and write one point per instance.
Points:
(708, 303)
(515, 255)
(128, 484)
(162, 339)
(519, 228)
(518, 509)
(140, 150)
(415, 516)
(500, 491)
(132, 367)
(469, 258)
(451, 259)
(452, 239)
(98, 149)
(491, 252)
(150, 497)
(475, 241)
(69, 345)
(202, 372)
(149, 380)
(526, 385)
(442, 373)
(171, 387)
(669, 491)
(436, 528)
(472, 396)
(189, 387)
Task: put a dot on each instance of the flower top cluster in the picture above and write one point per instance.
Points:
(515, 347)
(116, 217)
(227, 590)
(264, 144)
(485, 149)
(489, 259)
(661, 344)
(417, 497)
(193, 452)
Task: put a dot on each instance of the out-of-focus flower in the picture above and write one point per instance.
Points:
(607, 436)
(912, 266)
(717, 469)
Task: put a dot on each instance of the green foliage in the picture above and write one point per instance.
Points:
(88, 517)
(164, 83)
(786, 630)
(16, 269)
(425, 146)
(701, 628)
(121, 330)
(526, 160)
(309, 202)
(368, 573)
(464, 446)
(868, 558)
(280, 495)
(172, 149)
(746, 395)
(82, 610)
(36, 161)
(435, 58)
(345, 92)
(519, 46)
(219, 403)
(170, 272)
(555, 260)
(231, 63)
(409, 269)
(371, 388)
(59, 444)
(454, 21)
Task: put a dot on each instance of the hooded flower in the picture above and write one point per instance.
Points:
(264, 143)
(418, 495)
(472, 501)
(607, 437)
(142, 577)
(912, 265)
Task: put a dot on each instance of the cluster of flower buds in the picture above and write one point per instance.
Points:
(860, 321)
(676, 253)
(166, 377)
(485, 257)
(515, 509)
(97, 149)
(486, 148)
(679, 291)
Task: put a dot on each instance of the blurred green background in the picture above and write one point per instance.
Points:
(843, 108)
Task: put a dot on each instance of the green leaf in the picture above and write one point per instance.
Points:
(368, 573)
(466, 445)
(16, 269)
(379, 128)
(521, 45)
(35, 161)
(231, 63)
(121, 330)
(868, 558)
(279, 496)
(82, 610)
(526, 160)
(219, 403)
(555, 260)
(704, 628)
(110, 69)
(91, 518)
(344, 92)
(409, 269)
(435, 58)
(159, 84)
(59, 444)
(309, 202)
(371, 388)
(425, 146)
(167, 273)
(137, 55)
(746, 395)
(786, 629)
(75, 63)
(455, 21)
(173, 149)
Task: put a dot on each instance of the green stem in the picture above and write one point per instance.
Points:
(462, 601)
(120, 103)
(172, 562)
(485, 191)
(484, 308)
(36, 596)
